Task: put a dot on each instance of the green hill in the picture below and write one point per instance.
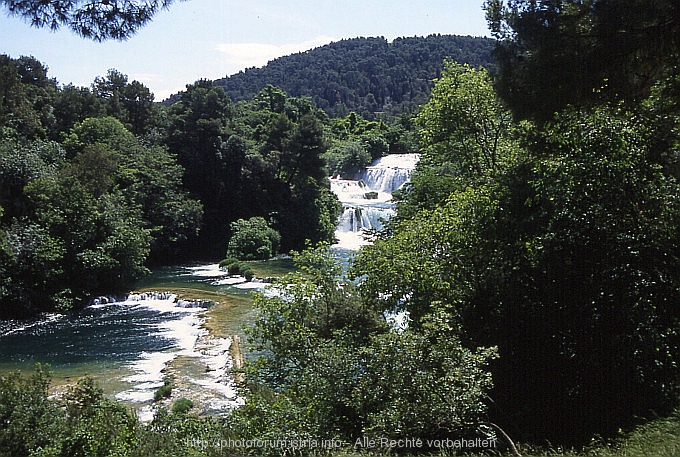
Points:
(366, 75)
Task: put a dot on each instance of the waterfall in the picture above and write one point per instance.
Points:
(389, 173)
(367, 200)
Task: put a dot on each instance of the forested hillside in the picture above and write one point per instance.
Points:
(366, 75)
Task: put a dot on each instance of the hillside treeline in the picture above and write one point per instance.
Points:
(365, 75)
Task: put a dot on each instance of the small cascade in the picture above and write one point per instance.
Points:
(367, 200)
(356, 218)
(389, 173)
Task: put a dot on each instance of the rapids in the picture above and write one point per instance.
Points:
(367, 199)
(131, 344)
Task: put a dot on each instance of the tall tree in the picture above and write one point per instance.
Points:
(200, 135)
(466, 137)
(98, 20)
(131, 103)
(553, 53)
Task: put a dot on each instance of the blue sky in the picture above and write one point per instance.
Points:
(212, 39)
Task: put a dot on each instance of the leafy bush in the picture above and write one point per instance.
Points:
(234, 268)
(240, 268)
(228, 261)
(346, 159)
(163, 391)
(339, 371)
(182, 406)
(83, 422)
(253, 239)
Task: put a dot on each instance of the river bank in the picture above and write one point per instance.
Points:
(163, 329)
(131, 346)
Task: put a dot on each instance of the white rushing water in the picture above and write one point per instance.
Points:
(367, 200)
(180, 323)
(137, 342)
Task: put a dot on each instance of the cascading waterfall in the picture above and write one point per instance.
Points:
(389, 173)
(367, 199)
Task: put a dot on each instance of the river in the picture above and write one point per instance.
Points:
(165, 328)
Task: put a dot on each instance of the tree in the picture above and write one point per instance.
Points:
(567, 261)
(330, 367)
(112, 19)
(131, 103)
(107, 154)
(26, 95)
(465, 122)
(29, 419)
(347, 158)
(199, 135)
(567, 52)
(253, 239)
(466, 137)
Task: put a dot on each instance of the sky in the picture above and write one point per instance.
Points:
(212, 39)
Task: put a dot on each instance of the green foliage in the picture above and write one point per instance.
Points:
(464, 122)
(347, 159)
(182, 406)
(330, 367)
(164, 391)
(235, 267)
(97, 21)
(261, 158)
(224, 263)
(581, 53)
(366, 75)
(466, 135)
(83, 422)
(422, 384)
(253, 239)
(26, 94)
(24, 410)
(565, 262)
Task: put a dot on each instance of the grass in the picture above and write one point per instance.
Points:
(657, 438)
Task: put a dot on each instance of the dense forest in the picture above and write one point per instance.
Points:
(535, 251)
(365, 75)
(99, 183)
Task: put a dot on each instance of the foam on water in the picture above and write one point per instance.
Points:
(17, 326)
(367, 199)
(207, 271)
(183, 326)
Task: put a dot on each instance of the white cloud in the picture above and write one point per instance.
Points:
(240, 56)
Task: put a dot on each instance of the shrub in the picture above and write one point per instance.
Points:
(253, 239)
(247, 273)
(234, 268)
(228, 261)
(347, 159)
(163, 391)
(182, 406)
